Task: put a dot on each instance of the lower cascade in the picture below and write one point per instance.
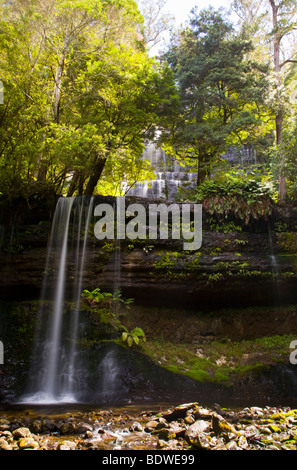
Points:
(56, 374)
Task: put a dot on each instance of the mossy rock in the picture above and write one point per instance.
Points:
(274, 428)
(221, 426)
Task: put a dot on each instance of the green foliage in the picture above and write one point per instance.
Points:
(102, 307)
(240, 196)
(283, 158)
(167, 260)
(221, 92)
(133, 338)
(96, 298)
(81, 93)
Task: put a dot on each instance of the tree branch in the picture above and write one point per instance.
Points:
(288, 61)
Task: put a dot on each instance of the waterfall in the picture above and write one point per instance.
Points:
(109, 374)
(56, 374)
(275, 271)
(170, 176)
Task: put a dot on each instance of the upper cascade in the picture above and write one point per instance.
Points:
(170, 176)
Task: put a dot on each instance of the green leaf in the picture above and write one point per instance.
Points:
(130, 341)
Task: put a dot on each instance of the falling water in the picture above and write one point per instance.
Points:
(274, 270)
(170, 176)
(55, 374)
(109, 374)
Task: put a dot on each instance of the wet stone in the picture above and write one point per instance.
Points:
(27, 443)
(4, 444)
(67, 445)
(21, 432)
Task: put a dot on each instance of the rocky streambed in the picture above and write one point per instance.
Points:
(186, 427)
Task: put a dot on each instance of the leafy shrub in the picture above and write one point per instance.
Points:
(97, 298)
(238, 196)
(101, 306)
(135, 337)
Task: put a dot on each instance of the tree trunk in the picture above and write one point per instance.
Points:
(58, 81)
(94, 178)
(282, 184)
(57, 89)
(203, 170)
(279, 115)
(74, 184)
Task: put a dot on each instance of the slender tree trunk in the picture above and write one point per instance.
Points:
(58, 85)
(202, 166)
(279, 119)
(95, 176)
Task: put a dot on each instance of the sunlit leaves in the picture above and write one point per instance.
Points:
(221, 92)
(79, 87)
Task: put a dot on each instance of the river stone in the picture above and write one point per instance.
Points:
(162, 423)
(242, 442)
(27, 443)
(151, 425)
(232, 446)
(4, 424)
(203, 413)
(180, 411)
(67, 428)
(83, 428)
(21, 433)
(189, 419)
(37, 426)
(67, 445)
(48, 425)
(202, 441)
(162, 444)
(4, 444)
(166, 434)
(192, 433)
(220, 425)
(136, 427)
(7, 435)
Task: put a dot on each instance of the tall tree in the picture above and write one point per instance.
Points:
(80, 90)
(284, 21)
(221, 92)
(278, 23)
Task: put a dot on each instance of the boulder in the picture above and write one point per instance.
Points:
(220, 425)
(195, 434)
(27, 443)
(20, 433)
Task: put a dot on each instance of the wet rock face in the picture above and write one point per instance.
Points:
(230, 269)
(255, 267)
(213, 428)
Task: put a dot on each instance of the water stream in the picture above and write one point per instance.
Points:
(170, 176)
(275, 270)
(56, 374)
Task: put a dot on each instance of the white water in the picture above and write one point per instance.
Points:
(109, 374)
(56, 375)
(55, 334)
(170, 177)
(275, 270)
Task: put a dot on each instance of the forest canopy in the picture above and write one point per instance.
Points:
(80, 91)
(83, 93)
